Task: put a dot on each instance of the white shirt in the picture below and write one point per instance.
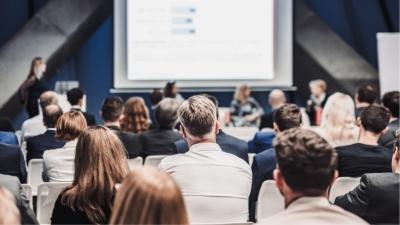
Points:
(32, 127)
(215, 185)
(59, 163)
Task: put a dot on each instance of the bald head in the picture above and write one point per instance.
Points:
(276, 98)
(48, 98)
(51, 113)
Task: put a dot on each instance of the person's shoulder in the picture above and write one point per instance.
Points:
(350, 147)
(342, 216)
(172, 160)
(51, 153)
(266, 153)
(9, 148)
(227, 137)
(379, 179)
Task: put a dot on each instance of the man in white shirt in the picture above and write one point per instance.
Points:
(215, 184)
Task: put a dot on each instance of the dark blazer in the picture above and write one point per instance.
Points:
(159, 142)
(12, 184)
(6, 125)
(12, 161)
(227, 143)
(311, 111)
(261, 141)
(267, 120)
(375, 199)
(34, 92)
(90, 119)
(8, 138)
(387, 139)
(36, 145)
(131, 141)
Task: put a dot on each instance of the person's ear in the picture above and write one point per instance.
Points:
(217, 127)
(334, 177)
(358, 122)
(276, 128)
(278, 178)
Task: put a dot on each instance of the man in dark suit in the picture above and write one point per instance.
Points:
(366, 156)
(6, 125)
(75, 98)
(12, 161)
(391, 101)
(276, 99)
(111, 112)
(227, 142)
(376, 199)
(36, 145)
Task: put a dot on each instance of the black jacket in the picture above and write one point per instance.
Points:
(35, 146)
(387, 139)
(159, 142)
(375, 199)
(130, 140)
(12, 161)
(267, 120)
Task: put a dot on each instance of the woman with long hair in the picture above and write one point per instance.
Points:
(149, 196)
(33, 86)
(245, 110)
(100, 163)
(136, 117)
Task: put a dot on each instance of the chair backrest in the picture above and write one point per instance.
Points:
(270, 201)
(342, 185)
(35, 169)
(136, 162)
(154, 160)
(244, 133)
(47, 196)
(27, 189)
(251, 158)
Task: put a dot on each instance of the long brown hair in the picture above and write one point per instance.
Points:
(100, 163)
(34, 70)
(136, 116)
(149, 196)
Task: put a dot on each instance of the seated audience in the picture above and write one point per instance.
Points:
(111, 112)
(245, 110)
(136, 116)
(155, 97)
(391, 101)
(317, 101)
(276, 99)
(306, 168)
(366, 95)
(228, 143)
(9, 213)
(12, 161)
(6, 125)
(100, 164)
(8, 138)
(149, 196)
(59, 163)
(286, 117)
(75, 98)
(216, 182)
(338, 123)
(262, 140)
(376, 199)
(37, 145)
(171, 90)
(366, 156)
(160, 141)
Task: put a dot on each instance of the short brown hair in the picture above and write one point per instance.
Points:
(70, 125)
(306, 161)
(287, 116)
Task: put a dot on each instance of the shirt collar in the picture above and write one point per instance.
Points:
(205, 147)
(77, 107)
(52, 129)
(318, 200)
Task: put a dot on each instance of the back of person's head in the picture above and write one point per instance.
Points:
(100, 163)
(75, 95)
(375, 118)
(9, 213)
(305, 160)
(318, 85)
(367, 93)
(48, 98)
(213, 100)
(276, 98)
(70, 125)
(149, 196)
(170, 89)
(167, 113)
(136, 115)
(287, 116)
(391, 101)
(112, 109)
(155, 97)
(242, 92)
(51, 114)
(198, 116)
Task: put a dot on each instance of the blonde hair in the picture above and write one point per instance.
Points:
(136, 116)
(319, 83)
(9, 213)
(239, 95)
(149, 196)
(70, 125)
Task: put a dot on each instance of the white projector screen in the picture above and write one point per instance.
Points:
(215, 44)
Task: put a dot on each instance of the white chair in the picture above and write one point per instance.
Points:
(251, 158)
(134, 163)
(154, 160)
(35, 169)
(18, 133)
(270, 201)
(27, 189)
(47, 196)
(342, 185)
(244, 133)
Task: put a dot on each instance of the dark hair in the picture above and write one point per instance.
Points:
(306, 161)
(112, 108)
(367, 93)
(214, 100)
(391, 101)
(287, 116)
(74, 95)
(375, 118)
(168, 89)
(156, 96)
(51, 114)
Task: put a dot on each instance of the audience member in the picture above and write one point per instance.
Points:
(100, 164)
(317, 101)
(391, 101)
(8, 138)
(366, 95)
(338, 123)
(59, 163)
(155, 97)
(149, 196)
(9, 213)
(306, 168)
(376, 199)
(228, 143)
(171, 90)
(366, 156)
(12, 161)
(276, 99)
(212, 180)
(245, 110)
(112, 113)
(6, 125)
(37, 145)
(286, 117)
(160, 141)
(75, 98)
(136, 116)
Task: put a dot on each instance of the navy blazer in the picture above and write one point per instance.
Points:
(12, 161)
(261, 141)
(35, 146)
(8, 138)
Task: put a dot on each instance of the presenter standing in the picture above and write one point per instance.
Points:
(245, 110)
(172, 91)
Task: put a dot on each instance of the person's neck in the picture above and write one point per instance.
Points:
(112, 124)
(76, 106)
(192, 142)
(368, 138)
(362, 105)
(290, 198)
